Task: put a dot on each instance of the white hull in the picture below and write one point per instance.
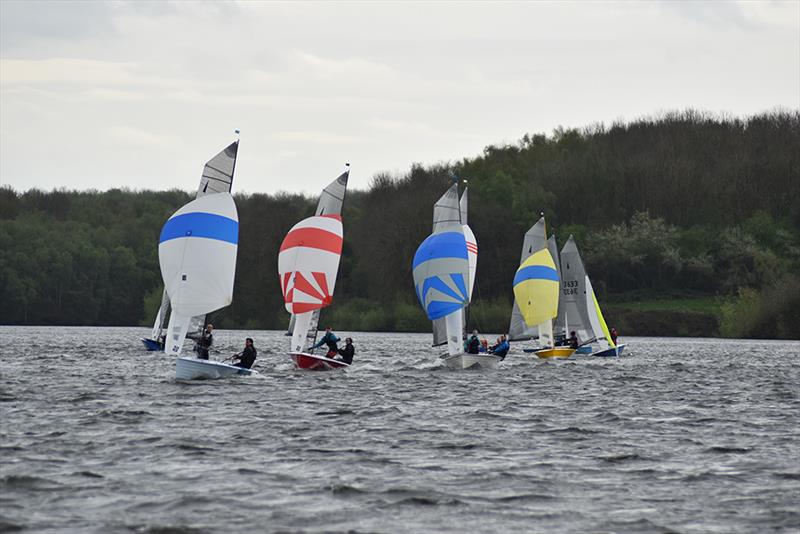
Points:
(467, 361)
(196, 369)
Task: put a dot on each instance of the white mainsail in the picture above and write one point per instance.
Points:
(197, 254)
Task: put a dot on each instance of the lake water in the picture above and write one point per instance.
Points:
(682, 435)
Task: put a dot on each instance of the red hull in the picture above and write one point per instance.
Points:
(315, 363)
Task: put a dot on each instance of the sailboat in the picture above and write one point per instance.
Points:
(582, 307)
(581, 310)
(536, 289)
(573, 312)
(217, 177)
(442, 214)
(308, 262)
(197, 254)
(441, 271)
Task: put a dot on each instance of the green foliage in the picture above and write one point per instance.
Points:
(773, 312)
(683, 204)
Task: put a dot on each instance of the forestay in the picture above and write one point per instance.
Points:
(197, 254)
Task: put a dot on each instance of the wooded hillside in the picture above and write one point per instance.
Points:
(682, 206)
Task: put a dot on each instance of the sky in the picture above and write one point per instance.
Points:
(98, 95)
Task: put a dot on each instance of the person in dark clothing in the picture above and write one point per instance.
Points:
(331, 340)
(347, 352)
(502, 348)
(473, 343)
(572, 340)
(205, 342)
(613, 336)
(248, 356)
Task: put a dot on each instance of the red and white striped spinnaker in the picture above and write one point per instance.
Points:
(307, 265)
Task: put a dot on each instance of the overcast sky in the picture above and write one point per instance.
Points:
(140, 95)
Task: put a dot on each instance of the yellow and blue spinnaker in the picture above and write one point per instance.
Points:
(536, 287)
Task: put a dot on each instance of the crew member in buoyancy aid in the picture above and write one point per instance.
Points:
(572, 340)
(346, 354)
(331, 340)
(473, 343)
(248, 356)
(204, 343)
(501, 348)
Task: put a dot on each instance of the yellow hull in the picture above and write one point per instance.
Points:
(558, 352)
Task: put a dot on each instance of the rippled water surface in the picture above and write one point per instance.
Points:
(682, 435)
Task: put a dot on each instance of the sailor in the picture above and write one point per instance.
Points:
(502, 347)
(473, 343)
(572, 340)
(204, 343)
(346, 354)
(613, 336)
(248, 356)
(329, 339)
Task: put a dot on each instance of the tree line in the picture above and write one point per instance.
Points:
(682, 205)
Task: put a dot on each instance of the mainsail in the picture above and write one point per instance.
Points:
(197, 254)
(443, 214)
(441, 269)
(535, 239)
(217, 177)
(330, 203)
(573, 304)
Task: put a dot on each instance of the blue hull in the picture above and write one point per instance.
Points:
(610, 352)
(151, 344)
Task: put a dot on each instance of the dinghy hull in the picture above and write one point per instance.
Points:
(469, 361)
(195, 369)
(610, 352)
(151, 344)
(312, 362)
(557, 352)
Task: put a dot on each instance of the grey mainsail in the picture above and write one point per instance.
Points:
(218, 172)
(330, 203)
(573, 312)
(448, 210)
(534, 241)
